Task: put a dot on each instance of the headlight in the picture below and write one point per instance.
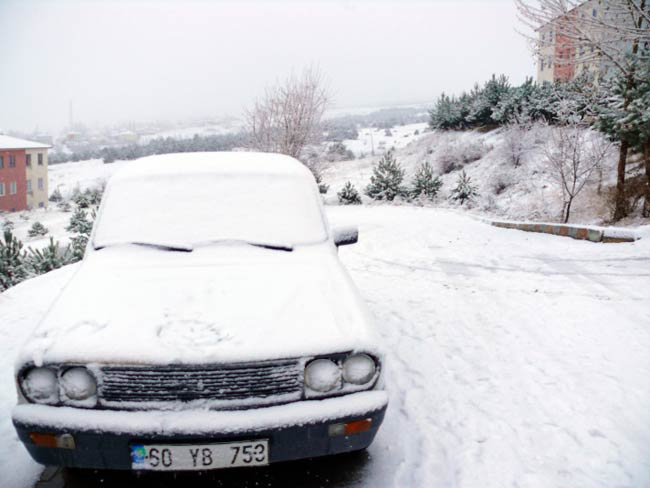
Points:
(77, 384)
(359, 369)
(39, 385)
(322, 375)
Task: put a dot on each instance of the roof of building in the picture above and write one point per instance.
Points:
(8, 142)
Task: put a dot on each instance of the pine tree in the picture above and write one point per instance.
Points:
(78, 245)
(79, 223)
(349, 195)
(386, 180)
(37, 229)
(80, 199)
(51, 257)
(7, 225)
(12, 261)
(464, 189)
(425, 184)
(56, 196)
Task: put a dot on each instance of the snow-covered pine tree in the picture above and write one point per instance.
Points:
(79, 222)
(464, 189)
(8, 225)
(56, 196)
(349, 195)
(78, 245)
(51, 257)
(80, 199)
(37, 229)
(12, 261)
(425, 184)
(386, 180)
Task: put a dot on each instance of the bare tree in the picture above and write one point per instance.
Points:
(518, 142)
(595, 33)
(573, 154)
(288, 117)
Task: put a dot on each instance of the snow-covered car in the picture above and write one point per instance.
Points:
(210, 325)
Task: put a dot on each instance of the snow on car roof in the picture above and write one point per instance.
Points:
(214, 163)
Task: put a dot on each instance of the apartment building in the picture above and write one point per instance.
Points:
(23, 174)
(560, 57)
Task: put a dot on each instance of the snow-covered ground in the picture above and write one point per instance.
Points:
(514, 359)
(372, 140)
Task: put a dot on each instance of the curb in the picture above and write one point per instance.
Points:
(592, 234)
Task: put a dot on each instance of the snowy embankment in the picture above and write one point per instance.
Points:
(514, 359)
(527, 192)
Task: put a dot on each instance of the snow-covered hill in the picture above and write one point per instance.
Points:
(527, 192)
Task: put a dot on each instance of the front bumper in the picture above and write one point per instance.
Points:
(295, 431)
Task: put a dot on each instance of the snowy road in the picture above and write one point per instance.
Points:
(515, 360)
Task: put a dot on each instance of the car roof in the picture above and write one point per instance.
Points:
(219, 163)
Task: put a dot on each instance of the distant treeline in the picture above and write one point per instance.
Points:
(167, 145)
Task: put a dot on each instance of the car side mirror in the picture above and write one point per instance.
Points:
(344, 236)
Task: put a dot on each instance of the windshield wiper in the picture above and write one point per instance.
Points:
(155, 245)
(265, 245)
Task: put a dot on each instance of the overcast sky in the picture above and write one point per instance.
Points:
(123, 60)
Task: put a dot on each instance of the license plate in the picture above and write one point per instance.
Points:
(195, 457)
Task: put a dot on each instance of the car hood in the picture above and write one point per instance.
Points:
(129, 305)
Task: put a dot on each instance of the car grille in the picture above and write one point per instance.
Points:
(214, 386)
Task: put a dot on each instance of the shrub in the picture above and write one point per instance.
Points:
(79, 223)
(349, 195)
(425, 184)
(37, 229)
(51, 257)
(7, 225)
(386, 180)
(12, 261)
(56, 196)
(464, 189)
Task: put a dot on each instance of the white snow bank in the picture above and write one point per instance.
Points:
(21, 308)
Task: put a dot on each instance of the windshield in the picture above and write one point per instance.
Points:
(192, 209)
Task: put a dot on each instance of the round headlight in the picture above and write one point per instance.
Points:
(40, 386)
(322, 375)
(359, 369)
(78, 384)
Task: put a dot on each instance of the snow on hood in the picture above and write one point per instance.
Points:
(218, 304)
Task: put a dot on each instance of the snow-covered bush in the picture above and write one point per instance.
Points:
(454, 155)
(349, 195)
(464, 189)
(7, 225)
(500, 182)
(64, 206)
(37, 229)
(51, 257)
(387, 178)
(518, 143)
(425, 184)
(12, 265)
(80, 199)
(56, 196)
(338, 152)
(79, 222)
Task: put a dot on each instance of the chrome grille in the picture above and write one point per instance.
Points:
(219, 386)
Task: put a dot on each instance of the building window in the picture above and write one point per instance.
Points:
(12, 161)
(40, 159)
(41, 204)
(541, 65)
(40, 183)
(13, 188)
(28, 160)
(29, 186)
(594, 13)
(2, 189)
(2, 161)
